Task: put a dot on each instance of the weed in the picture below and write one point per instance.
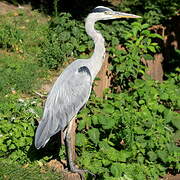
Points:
(131, 133)
(17, 118)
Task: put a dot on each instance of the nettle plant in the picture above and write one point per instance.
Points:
(132, 134)
(137, 43)
(17, 117)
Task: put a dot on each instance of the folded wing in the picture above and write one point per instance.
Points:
(68, 95)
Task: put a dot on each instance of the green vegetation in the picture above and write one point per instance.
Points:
(20, 40)
(11, 170)
(17, 126)
(131, 133)
(66, 39)
(154, 12)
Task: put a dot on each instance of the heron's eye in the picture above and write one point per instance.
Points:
(107, 12)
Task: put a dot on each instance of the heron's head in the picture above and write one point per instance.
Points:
(104, 13)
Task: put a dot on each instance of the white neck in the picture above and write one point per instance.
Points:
(97, 57)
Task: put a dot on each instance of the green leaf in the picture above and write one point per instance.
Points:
(177, 135)
(138, 83)
(124, 155)
(115, 41)
(163, 155)
(151, 48)
(117, 169)
(136, 25)
(94, 135)
(95, 120)
(156, 36)
(144, 26)
(128, 35)
(145, 32)
(106, 162)
(81, 139)
(148, 57)
(139, 40)
(81, 124)
(65, 36)
(12, 146)
(115, 155)
(161, 108)
(108, 108)
(154, 44)
(164, 96)
(135, 31)
(82, 48)
(139, 130)
(103, 145)
(140, 158)
(107, 122)
(141, 101)
(152, 156)
(176, 121)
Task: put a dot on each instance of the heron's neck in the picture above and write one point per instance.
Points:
(97, 57)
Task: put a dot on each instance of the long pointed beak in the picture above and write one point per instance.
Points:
(124, 15)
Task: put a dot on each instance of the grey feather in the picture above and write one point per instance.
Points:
(68, 95)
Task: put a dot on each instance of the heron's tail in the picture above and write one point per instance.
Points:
(42, 135)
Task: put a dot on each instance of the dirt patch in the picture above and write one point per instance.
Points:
(6, 8)
(59, 168)
(171, 177)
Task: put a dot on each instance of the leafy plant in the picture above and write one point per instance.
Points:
(66, 39)
(154, 12)
(139, 43)
(123, 132)
(128, 131)
(10, 37)
(129, 135)
(17, 127)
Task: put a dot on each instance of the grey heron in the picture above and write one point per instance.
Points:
(72, 89)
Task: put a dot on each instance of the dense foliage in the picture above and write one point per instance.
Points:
(131, 133)
(17, 126)
(66, 38)
(154, 12)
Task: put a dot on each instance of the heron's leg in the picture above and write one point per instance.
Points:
(68, 141)
(69, 144)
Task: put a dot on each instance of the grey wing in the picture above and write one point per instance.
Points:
(66, 98)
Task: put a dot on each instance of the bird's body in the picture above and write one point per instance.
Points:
(64, 101)
(72, 89)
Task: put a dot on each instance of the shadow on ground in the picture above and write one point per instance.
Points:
(51, 150)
